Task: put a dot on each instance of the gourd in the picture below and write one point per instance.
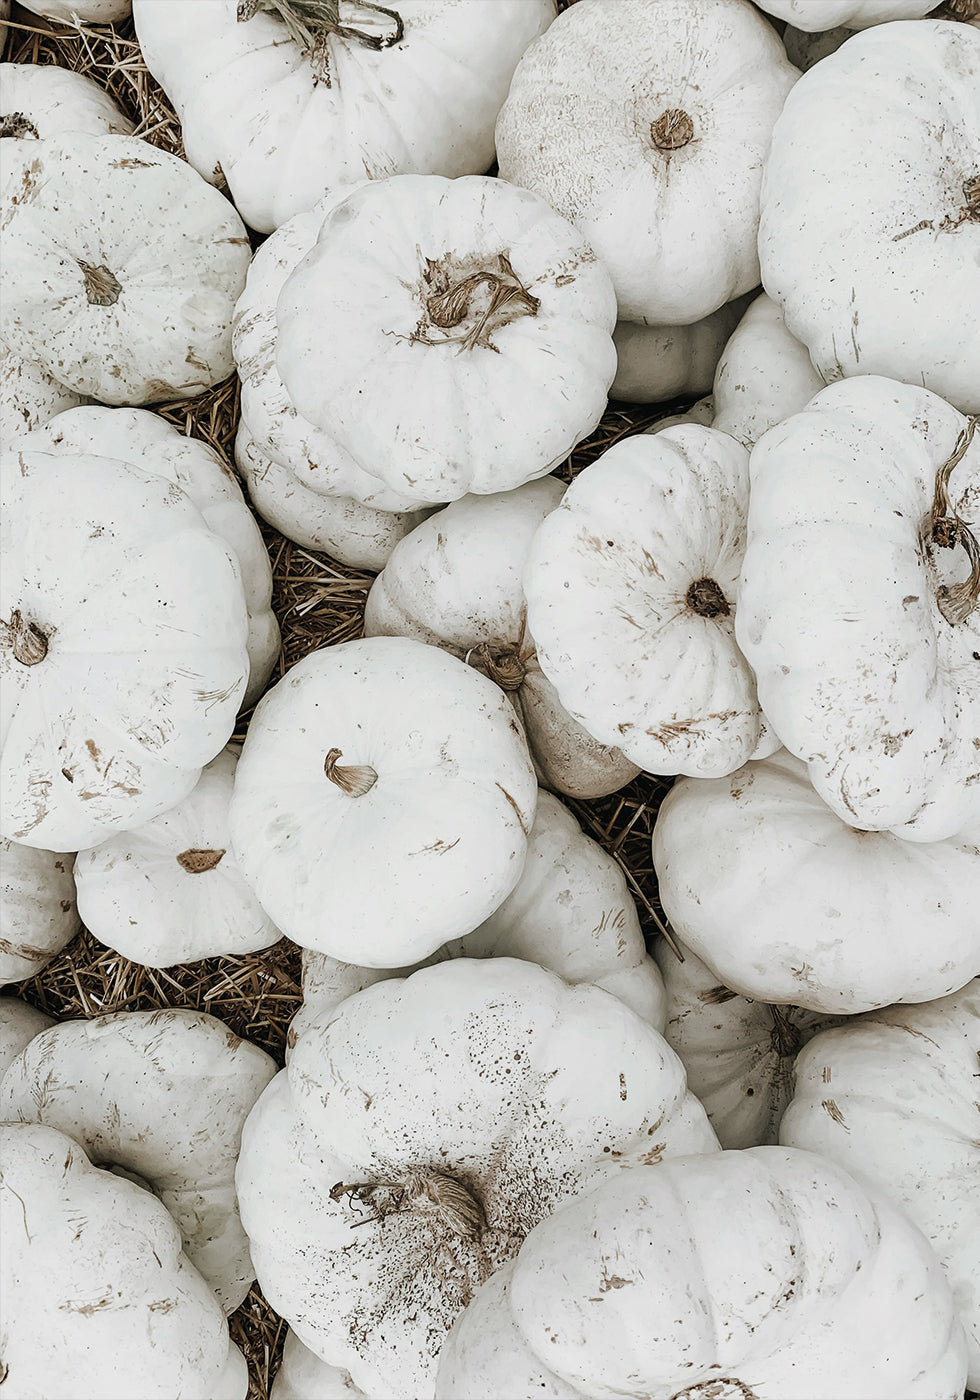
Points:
(19, 1024)
(162, 1094)
(442, 1116)
(170, 891)
(382, 801)
(787, 903)
(380, 90)
(38, 912)
(122, 647)
(150, 443)
(571, 912)
(858, 603)
(471, 357)
(631, 597)
(728, 1275)
(885, 282)
(647, 126)
(456, 582)
(891, 1097)
(98, 1295)
(121, 269)
(656, 363)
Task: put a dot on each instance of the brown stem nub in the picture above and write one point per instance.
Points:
(28, 643)
(101, 287)
(355, 780)
(504, 666)
(947, 530)
(672, 130)
(312, 23)
(197, 862)
(466, 307)
(706, 599)
(971, 193)
(19, 125)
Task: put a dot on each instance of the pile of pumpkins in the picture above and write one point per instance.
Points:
(503, 1119)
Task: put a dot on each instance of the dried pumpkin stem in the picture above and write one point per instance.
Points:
(425, 1192)
(453, 303)
(705, 598)
(355, 779)
(955, 601)
(28, 643)
(198, 862)
(101, 287)
(19, 125)
(506, 666)
(672, 130)
(312, 23)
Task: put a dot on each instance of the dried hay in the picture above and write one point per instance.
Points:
(319, 602)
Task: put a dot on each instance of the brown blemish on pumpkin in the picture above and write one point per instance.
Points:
(517, 809)
(716, 995)
(19, 125)
(197, 861)
(834, 1113)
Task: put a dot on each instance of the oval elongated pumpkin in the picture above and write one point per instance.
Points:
(858, 604)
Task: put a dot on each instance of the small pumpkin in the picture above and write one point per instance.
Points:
(303, 1376)
(19, 1024)
(814, 15)
(88, 11)
(38, 910)
(29, 396)
(656, 363)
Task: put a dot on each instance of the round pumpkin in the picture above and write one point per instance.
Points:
(786, 903)
(647, 126)
(887, 279)
(382, 801)
(38, 911)
(121, 269)
(471, 356)
(122, 650)
(421, 1129)
(858, 603)
(162, 1094)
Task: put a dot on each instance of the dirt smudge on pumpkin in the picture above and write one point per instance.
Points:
(832, 1109)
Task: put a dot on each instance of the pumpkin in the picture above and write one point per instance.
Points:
(631, 586)
(443, 1116)
(455, 582)
(303, 1376)
(19, 1024)
(738, 1053)
(122, 647)
(170, 891)
(121, 269)
(647, 126)
(99, 1297)
(763, 375)
(812, 15)
(38, 101)
(885, 281)
(571, 912)
(787, 903)
(382, 801)
(858, 603)
(147, 441)
(471, 357)
(29, 395)
(88, 11)
(656, 363)
(290, 101)
(726, 1276)
(352, 533)
(891, 1097)
(38, 912)
(162, 1094)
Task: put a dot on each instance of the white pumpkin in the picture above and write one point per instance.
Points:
(99, 1298)
(471, 357)
(787, 903)
(813, 15)
(121, 269)
(647, 125)
(891, 1097)
(170, 891)
(29, 395)
(38, 911)
(382, 801)
(41, 100)
(149, 442)
(655, 363)
(413, 87)
(442, 1117)
(162, 1094)
(455, 582)
(887, 279)
(631, 588)
(355, 534)
(88, 11)
(19, 1024)
(303, 1376)
(861, 625)
(122, 648)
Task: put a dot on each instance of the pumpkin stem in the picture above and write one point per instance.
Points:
(964, 10)
(672, 130)
(421, 1192)
(101, 287)
(947, 529)
(465, 307)
(197, 862)
(706, 599)
(355, 780)
(28, 643)
(312, 23)
(506, 666)
(17, 124)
